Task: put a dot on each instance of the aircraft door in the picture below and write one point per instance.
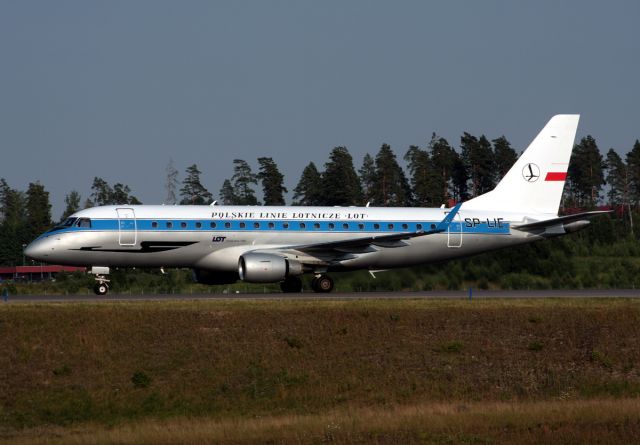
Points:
(454, 232)
(127, 229)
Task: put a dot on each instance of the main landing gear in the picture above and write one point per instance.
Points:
(291, 285)
(320, 283)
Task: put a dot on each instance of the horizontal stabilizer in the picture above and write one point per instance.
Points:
(560, 220)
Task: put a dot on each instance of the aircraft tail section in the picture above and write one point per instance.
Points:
(536, 180)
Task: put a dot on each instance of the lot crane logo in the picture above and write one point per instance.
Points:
(531, 172)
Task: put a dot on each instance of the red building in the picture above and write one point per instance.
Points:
(35, 273)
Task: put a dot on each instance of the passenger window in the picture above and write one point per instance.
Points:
(183, 225)
(332, 226)
(418, 226)
(212, 225)
(405, 227)
(361, 226)
(433, 226)
(154, 224)
(169, 224)
(390, 226)
(285, 225)
(227, 225)
(345, 226)
(256, 225)
(316, 225)
(198, 225)
(376, 226)
(271, 225)
(242, 225)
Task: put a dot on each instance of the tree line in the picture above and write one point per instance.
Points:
(435, 174)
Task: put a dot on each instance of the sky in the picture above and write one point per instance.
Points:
(116, 89)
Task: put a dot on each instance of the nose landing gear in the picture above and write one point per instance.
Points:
(101, 288)
(102, 282)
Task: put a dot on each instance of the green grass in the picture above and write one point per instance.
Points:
(73, 367)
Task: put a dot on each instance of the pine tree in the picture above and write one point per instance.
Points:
(616, 178)
(340, 182)
(102, 193)
(368, 177)
(392, 188)
(478, 161)
(13, 232)
(38, 210)
(192, 191)
(226, 194)
(585, 174)
(504, 157)
(443, 158)
(633, 166)
(121, 194)
(421, 176)
(242, 179)
(308, 192)
(72, 201)
(272, 180)
(171, 184)
(459, 178)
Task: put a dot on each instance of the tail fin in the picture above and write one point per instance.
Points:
(535, 182)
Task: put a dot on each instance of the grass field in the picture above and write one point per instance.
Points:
(313, 371)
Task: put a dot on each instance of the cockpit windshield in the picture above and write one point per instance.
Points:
(63, 225)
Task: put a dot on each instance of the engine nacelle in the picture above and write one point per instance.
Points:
(266, 268)
(204, 276)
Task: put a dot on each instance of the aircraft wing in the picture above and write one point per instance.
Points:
(392, 240)
(536, 225)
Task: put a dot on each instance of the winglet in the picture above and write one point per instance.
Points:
(443, 225)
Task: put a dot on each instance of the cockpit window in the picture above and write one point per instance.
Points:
(63, 225)
(84, 223)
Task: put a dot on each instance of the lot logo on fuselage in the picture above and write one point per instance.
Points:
(218, 239)
(531, 172)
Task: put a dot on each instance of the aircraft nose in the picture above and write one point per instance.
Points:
(38, 250)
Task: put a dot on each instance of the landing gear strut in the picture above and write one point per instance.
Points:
(322, 284)
(291, 285)
(102, 282)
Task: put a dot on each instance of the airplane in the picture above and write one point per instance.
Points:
(279, 244)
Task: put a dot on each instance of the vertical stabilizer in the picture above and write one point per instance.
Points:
(535, 182)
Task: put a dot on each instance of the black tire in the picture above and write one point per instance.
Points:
(291, 285)
(322, 284)
(101, 288)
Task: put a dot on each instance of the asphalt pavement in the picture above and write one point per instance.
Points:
(475, 294)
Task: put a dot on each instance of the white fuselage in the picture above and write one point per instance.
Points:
(214, 237)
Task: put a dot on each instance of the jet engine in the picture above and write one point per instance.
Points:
(204, 276)
(256, 267)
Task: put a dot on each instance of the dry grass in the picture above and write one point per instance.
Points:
(579, 422)
(380, 369)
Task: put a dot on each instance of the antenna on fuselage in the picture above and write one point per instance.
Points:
(213, 203)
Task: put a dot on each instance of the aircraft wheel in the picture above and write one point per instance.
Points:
(101, 288)
(322, 284)
(291, 285)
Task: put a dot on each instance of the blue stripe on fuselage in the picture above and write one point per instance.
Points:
(162, 225)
